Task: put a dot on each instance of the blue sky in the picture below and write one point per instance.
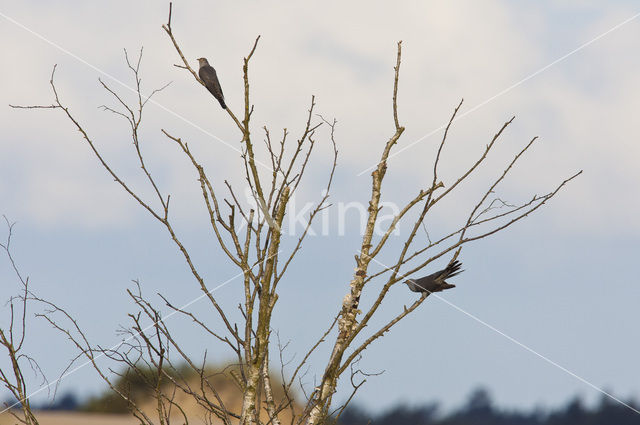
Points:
(562, 282)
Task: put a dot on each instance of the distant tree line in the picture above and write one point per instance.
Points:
(479, 410)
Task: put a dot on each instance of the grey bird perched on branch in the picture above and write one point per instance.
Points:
(435, 282)
(210, 78)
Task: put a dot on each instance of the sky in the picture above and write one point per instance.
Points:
(560, 284)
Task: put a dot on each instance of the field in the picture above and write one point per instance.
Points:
(73, 418)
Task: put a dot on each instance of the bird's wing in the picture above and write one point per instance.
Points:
(435, 280)
(432, 278)
(429, 282)
(210, 78)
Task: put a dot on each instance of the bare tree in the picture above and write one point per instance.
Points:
(257, 252)
(12, 339)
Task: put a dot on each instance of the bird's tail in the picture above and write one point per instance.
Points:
(452, 269)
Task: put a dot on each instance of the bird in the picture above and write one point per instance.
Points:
(435, 282)
(210, 79)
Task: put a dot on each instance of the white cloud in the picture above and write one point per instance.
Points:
(344, 54)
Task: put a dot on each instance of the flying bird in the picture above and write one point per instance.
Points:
(435, 282)
(210, 78)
